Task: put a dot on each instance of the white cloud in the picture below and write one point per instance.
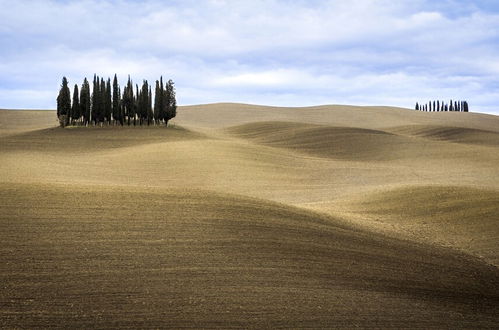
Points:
(276, 51)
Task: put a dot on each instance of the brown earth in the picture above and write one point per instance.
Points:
(251, 216)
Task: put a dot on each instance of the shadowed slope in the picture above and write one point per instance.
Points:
(101, 257)
(90, 139)
(450, 134)
(345, 143)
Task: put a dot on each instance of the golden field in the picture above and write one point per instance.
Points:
(251, 216)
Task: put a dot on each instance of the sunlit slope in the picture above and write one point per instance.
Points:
(16, 121)
(312, 169)
(325, 141)
(91, 256)
(220, 115)
(465, 218)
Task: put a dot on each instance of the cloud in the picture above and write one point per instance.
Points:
(278, 52)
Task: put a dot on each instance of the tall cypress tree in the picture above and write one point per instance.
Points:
(75, 109)
(116, 100)
(102, 100)
(108, 102)
(162, 100)
(157, 95)
(121, 108)
(135, 99)
(150, 113)
(95, 100)
(85, 102)
(172, 102)
(64, 103)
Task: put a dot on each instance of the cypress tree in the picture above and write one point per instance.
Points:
(136, 112)
(172, 102)
(116, 100)
(108, 102)
(162, 100)
(121, 108)
(102, 101)
(75, 109)
(127, 101)
(451, 106)
(85, 102)
(95, 100)
(150, 113)
(64, 103)
(157, 94)
(417, 106)
(142, 102)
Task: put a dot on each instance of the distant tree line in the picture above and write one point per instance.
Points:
(461, 106)
(108, 105)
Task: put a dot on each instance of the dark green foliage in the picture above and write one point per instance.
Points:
(127, 101)
(157, 106)
(85, 102)
(102, 100)
(64, 103)
(460, 106)
(116, 101)
(136, 109)
(75, 108)
(150, 114)
(171, 110)
(95, 100)
(107, 104)
(143, 102)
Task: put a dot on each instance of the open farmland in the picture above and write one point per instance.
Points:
(251, 216)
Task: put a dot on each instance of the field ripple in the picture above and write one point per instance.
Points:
(108, 257)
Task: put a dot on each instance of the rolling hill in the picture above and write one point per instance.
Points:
(251, 216)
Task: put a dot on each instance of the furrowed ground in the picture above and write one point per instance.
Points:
(251, 216)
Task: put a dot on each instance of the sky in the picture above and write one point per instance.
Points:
(273, 52)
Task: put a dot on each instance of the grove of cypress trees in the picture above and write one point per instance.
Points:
(107, 104)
